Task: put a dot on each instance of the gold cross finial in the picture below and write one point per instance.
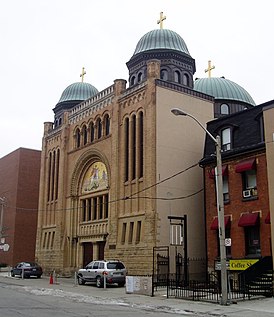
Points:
(83, 73)
(209, 69)
(162, 18)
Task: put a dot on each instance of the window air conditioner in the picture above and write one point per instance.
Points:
(246, 193)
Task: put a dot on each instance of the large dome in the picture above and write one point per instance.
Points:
(79, 91)
(161, 39)
(222, 88)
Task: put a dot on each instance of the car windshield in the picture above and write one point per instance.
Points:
(115, 265)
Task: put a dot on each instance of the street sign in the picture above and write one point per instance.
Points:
(228, 242)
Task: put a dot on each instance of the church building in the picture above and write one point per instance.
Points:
(117, 166)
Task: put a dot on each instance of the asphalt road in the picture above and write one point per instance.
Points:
(37, 297)
(16, 300)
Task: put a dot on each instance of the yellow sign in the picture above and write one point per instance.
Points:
(241, 265)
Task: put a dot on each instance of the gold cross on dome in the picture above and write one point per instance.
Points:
(162, 18)
(83, 73)
(209, 69)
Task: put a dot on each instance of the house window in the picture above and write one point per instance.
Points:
(249, 179)
(186, 80)
(226, 139)
(95, 208)
(138, 231)
(249, 176)
(85, 135)
(164, 74)
(225, 188)
(132, 81)
(224, 109)
(126, 138)
(84, 206)
(140, 77)
(130, 234)
(133, 149)
(99, 129)
(78, 138)
(141, 144)
(252, 241)
(92, 132)
(107, 125)
(177, 77)
(124, 230)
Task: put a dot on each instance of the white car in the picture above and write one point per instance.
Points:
(113, 271)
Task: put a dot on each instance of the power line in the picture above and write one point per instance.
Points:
(127, 197)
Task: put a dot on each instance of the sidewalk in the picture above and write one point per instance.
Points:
(67, 287)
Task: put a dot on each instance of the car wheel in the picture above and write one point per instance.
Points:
(38, 276)
(12, 274)
(81, 281)
(98, 282)
(121, 284)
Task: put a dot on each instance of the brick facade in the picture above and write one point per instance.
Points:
(19, 187)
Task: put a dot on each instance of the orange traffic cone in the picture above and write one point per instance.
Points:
(51, 279)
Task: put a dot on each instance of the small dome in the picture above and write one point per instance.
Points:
(222, 88)
(79, 91)
(161, 39)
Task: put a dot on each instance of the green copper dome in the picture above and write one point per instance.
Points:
(222, 88)
(78, 91)
(161, 39)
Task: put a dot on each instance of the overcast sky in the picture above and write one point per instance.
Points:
(45, 44)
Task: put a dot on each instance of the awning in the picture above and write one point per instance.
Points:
(215, 226)
(249, 220)
(246, 165)
(267, 218)
(224, 171)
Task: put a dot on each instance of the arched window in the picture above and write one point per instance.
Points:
(226, 139)
(132, 81)
(224, 109)
(49, 174)
(107, 124)
(92, 132)
(60, 121)
(133, 147)
(126, 138)
(177, 77)
(164, 74)
(78, 138)
(85, 135)
(141, 144)
(99, 128)
(140, 77)
(186, 80)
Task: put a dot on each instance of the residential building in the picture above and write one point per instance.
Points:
(246, 180)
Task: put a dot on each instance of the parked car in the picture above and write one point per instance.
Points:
(113, 271)
(29, 269)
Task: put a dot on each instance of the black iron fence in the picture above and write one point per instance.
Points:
(193, 283)
(210, 290)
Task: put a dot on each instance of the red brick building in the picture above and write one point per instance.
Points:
(19, 190)
(245, 187)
